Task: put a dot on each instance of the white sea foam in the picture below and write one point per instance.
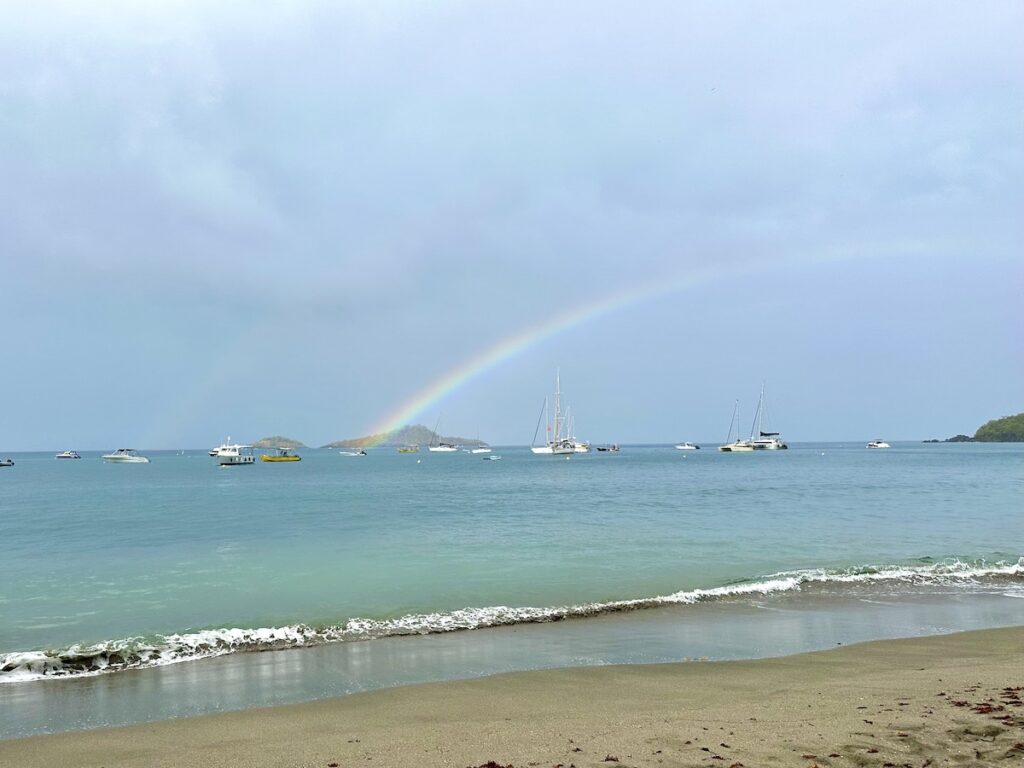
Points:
(134, 653)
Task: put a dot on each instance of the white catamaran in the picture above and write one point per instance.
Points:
(765, 441)
(557, 444)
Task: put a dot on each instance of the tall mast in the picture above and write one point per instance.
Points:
(558, 405)
(757, 415)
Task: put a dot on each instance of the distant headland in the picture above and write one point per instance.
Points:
(1009, 429)
(410, 434)
(277, 441)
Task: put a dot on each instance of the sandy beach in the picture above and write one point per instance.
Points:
(953, 699)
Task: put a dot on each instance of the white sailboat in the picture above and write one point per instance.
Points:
(738, 445)
(765, 441)
(557, 444)
(440, 446)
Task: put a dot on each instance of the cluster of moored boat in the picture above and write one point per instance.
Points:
(237, 455)
(561, 441)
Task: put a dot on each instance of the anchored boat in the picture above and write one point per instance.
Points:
(283, 454)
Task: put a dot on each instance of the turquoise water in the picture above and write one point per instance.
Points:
(105, 567)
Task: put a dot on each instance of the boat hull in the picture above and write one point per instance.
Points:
(550, 450)
(276, 459)
(770, 445)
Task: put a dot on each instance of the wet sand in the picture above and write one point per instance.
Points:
(948, 700)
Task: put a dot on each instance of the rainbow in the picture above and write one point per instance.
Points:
(514, 345)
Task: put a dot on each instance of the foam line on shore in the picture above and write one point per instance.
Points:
(139, 652)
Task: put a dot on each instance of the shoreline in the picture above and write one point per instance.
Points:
(897, 701)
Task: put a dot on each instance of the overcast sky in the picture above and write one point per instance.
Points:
(288, 218)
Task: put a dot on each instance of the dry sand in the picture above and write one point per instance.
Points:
(951, 700)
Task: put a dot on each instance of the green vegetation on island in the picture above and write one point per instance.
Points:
(278, 442)
(408, 435)
(1009, 429)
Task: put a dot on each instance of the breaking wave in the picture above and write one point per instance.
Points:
(138, 652)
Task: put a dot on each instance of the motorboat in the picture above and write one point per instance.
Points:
(878, 444)
(613, 448)
(482, 448)
(125, 456)
(492, 458)
(687, 447)
(443, 448)
(7, 463)
(234, 455)
(283, 454)
(68, 455)
(353, 453)
(408, 449)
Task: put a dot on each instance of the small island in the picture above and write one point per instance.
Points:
(1009, 429)
(410, 434)
(277, 441)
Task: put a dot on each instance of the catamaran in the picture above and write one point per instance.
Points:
(557, 444)
(765, 441)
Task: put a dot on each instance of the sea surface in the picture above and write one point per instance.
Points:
(140, 592)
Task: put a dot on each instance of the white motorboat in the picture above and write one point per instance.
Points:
(481, 449)
(557, 444)
(233, 455)
(687, 447)
(125, 456)
(353, 453)
(738, 445)
(68, 455)
(765, 441)
(878, 444)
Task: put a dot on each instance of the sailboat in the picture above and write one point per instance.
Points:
(480, 447)
(578, 446)
(739, 445)
(440, 446)
(765, 441)
(557, 444)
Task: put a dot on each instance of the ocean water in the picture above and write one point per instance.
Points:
(135, 592)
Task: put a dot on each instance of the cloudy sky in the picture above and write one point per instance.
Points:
(292, 217)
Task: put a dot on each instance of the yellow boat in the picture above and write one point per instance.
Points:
(409, 449)
(283, 454)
